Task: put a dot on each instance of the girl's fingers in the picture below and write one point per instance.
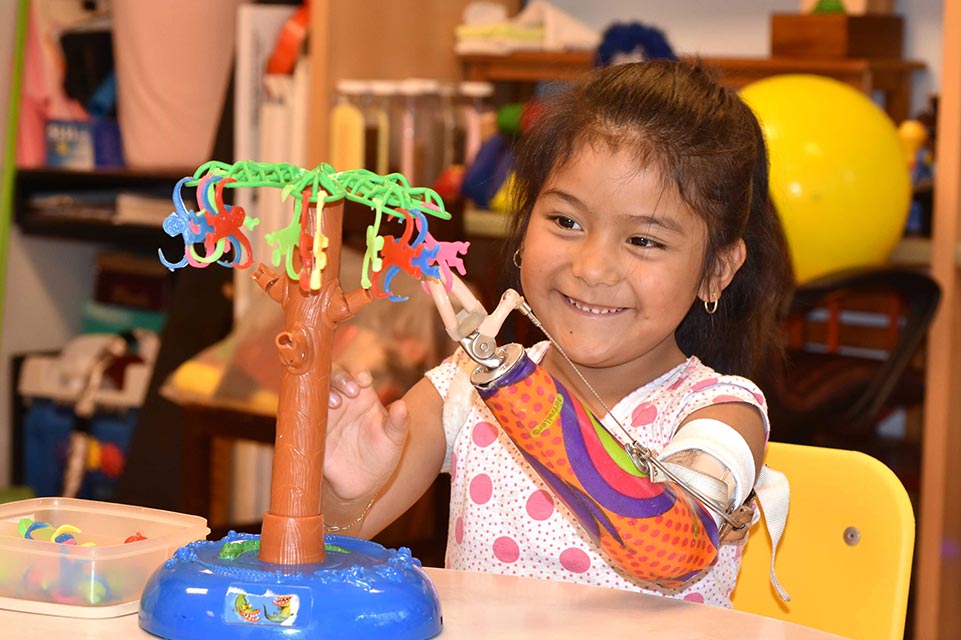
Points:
(397, 424)
(364, 378)
(350, 385)
(345, 386)
(335, 399)
(344, 383)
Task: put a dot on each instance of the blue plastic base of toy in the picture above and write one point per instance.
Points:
(361, 590)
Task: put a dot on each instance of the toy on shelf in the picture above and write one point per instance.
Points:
(487, 182)
(918, 147)
(292, 581)
(82, 407)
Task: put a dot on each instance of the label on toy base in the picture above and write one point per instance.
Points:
(252, 604)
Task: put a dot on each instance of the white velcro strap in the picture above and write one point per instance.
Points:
(723, 443)
(774, 494)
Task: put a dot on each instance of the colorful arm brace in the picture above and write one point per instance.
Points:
(652, 528)
(652, 531)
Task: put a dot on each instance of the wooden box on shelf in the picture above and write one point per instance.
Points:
(836, 35)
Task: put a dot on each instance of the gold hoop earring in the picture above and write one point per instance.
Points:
(517, 259)
(711, 307)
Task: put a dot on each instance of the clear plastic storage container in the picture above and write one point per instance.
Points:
(71, 579)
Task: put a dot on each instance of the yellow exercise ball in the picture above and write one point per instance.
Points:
(839, 178)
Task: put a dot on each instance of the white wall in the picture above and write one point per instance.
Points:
(742, 28)
(47, 280)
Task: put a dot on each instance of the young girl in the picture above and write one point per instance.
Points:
(645, 244)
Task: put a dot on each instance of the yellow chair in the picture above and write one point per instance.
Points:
(845, 556)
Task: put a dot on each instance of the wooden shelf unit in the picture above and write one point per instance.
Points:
(890, 77)
(378, 39)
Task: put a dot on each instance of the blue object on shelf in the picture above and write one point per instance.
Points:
(487, 174)
(46, 439)
(83, 144)
(48, 428)
(111, 434)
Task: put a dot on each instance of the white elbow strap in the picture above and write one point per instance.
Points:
(722, 443)
(727, 447)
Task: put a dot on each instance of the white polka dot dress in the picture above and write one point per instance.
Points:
(504, 518)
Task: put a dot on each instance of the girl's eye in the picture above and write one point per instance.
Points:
(640, 241)
(565, 223)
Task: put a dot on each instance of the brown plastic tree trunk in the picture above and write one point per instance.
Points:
(293, 527)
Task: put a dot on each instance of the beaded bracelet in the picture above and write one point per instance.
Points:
(355, 522)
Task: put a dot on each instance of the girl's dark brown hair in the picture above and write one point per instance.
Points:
(705, 143)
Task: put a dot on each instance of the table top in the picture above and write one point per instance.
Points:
(482, 605)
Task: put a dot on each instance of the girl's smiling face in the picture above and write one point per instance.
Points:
(612, 261)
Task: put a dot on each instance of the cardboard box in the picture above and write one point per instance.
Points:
(836, 35)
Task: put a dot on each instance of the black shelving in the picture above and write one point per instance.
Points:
(87, 212)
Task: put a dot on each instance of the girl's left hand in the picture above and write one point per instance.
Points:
(365, 440)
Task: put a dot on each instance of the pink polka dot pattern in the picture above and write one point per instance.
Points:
(481, 488)
(506, 550)
(722, 399)
(520, 529)
(575, 560)
(704, 384)
(540, 505)
(644, 414)
(484, 434)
